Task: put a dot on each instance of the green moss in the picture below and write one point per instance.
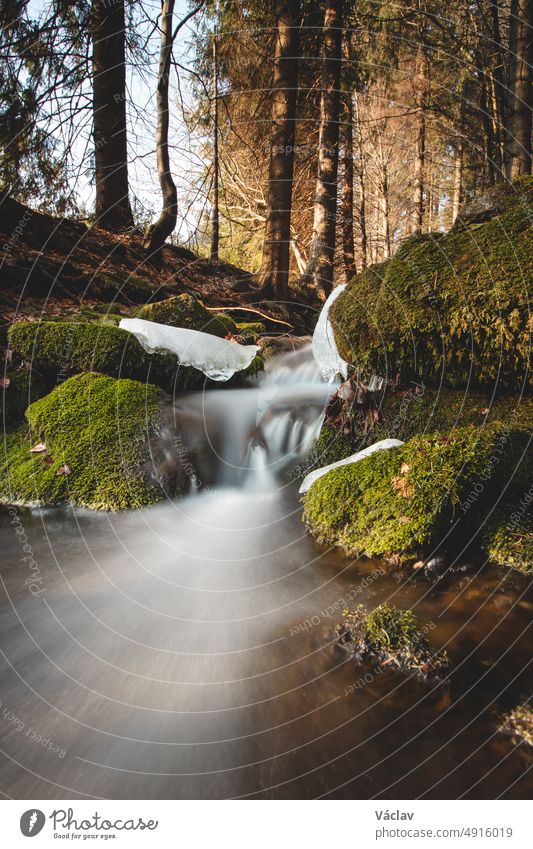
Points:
(251, 330)
(22, 390)
(332, 445)
(388, 634)
(100, 432)
(58, 349)
(408, 498)
(184, 311)
(452, 309)
(227, 321)
(508, 537)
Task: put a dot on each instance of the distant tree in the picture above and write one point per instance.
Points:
(274, 273)
(319, 271)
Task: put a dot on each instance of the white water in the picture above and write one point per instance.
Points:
(247, 437)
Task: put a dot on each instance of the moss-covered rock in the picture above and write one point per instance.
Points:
(508, 537)
(93, 440)
(18, 394)
(436, 488)
(186, 311)
(57, 350)
(389, 637)
(251, 331)
(451, 309)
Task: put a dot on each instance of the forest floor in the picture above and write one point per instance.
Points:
(52, 266)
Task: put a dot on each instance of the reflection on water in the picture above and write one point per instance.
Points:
(187, 651)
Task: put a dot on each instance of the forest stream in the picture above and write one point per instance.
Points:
(188, 649)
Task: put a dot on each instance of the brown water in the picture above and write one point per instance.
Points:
(187, 651)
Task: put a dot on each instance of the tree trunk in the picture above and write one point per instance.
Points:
(319, 271)
(457, 180)
(362, 184)
(498, 92)
(522, 97)
(166, 222)
(422, 86)
(215, 214)
(509, 89)
(113, 210)
(274, 272)
(347, 195)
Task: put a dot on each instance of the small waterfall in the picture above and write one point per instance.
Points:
(246, 437)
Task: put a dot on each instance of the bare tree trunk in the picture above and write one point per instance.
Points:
(457, 196)
(457, 180)
(488, 136)
(166, 222)
(215, 213)
(522, 99)
(509, 90)
(301, 261)
(319, 271)
(347, 195)
(274, 272)
(113, 210)
(362, 185)
(422, 88)
(497, 92)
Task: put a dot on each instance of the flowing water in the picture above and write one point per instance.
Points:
(187, 650)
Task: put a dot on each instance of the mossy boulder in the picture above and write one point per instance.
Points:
(59, 349)
(19, 392)
(251, 331)
(93, 441)
(508, 536)
(189, 312)
(448, 309)
(437, 489)
(390, 637)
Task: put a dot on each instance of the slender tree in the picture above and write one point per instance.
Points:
(319, 271)
(274, 272)
(113, 210)
(522, 92)
(215, 210)
(165, 224)
(422, 90)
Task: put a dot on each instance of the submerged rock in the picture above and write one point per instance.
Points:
(518, 723)
(390, 638)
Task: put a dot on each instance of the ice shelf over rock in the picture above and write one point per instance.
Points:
(217, 358)
(325, 350)
(382, 445)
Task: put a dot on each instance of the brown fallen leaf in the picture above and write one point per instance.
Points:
(404, 520)
(63, 470)
(485, 411)
(403, 486)
(405, 469)
(4, 382)
(40, 448)
(418, 565)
